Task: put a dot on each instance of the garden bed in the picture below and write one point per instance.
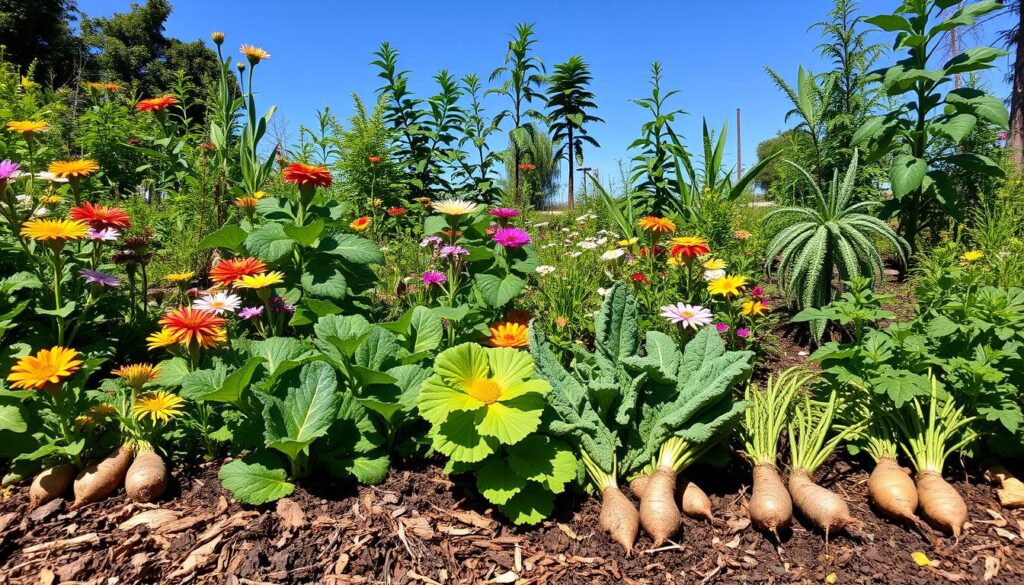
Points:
(418, 527)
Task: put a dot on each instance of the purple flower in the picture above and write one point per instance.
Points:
(504, 212)
(100, 278)
(103, 235)
(7, 169)
(279, 305)
(434, 241)
(453, 252)
(757, 292)
(512, 237)
(721, 327)
(250, 312)
(432, 277)
(742, 332)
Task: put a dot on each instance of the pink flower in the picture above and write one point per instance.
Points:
(512, 237)
(757, 292)
(505, 212)
(100, 278)
(742, 332)
(8, 169)
(104, 235)
(687, 315)
(721, 327)
(432, 277)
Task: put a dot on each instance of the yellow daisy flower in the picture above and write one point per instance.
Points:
(180, 276)
(49, 366)
(455, 207)
(27, 127)
(137, 375)
(74, 169)
(972, 256)
(163, 338)
(159, 406)
(727, 286)
(257, 281)
(254, 54)
(715, 264)
(754, 308)
(59, 230)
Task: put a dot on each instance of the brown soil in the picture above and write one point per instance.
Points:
(418, 527)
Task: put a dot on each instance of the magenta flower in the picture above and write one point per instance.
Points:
(103, 235)
(100, 278)
(721, 327)
(512, 237)
(8, 169)
(505, 212)
(279, 305)
(742, 332)
(453, 252)
(432, 277)
(757, 292)
(431, 241)
(250, 312)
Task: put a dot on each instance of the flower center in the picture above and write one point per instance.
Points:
(687, 314)
(485, 390)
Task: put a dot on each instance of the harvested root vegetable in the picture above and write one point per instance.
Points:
(771, 507)
(823, 508)
(695, 503)
(619, 517)
(659, 513)
(639, 485)
(941, 505)
(147, 477)
(50, 484)
(892, 491)
(100, 478)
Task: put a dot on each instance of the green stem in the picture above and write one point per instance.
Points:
(58, 270)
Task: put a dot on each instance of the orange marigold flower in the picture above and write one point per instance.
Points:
(228, 271)
(360, 223)
(509, 334)
(156, 104)
(27, 127)
(527, 167)
(249, 202)
(653, 223)
(374, 159)
(49, 366)
(188, 324)
(689, 247)
(137, 375)
(397, 211)
(100, 216)
(302, 175)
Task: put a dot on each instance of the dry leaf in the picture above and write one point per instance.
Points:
(991, 568)
(568, 531)
(291, 515)
(152, 519)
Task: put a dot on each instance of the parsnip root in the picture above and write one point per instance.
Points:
(619, 517)
(50, 484)
(823, 508)
(694, 502)
(941, 505)
(100, 478)
(659, 513)
(147, 477)
(771, 507)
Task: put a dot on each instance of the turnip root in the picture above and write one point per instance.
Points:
(823, 508)
(619, 517)
(50, 484)
(100, 478)
(771, 507)
(639, 485)
(694, 502)
(147, 477)
(893, 491)
(941, 505)
(659, 513)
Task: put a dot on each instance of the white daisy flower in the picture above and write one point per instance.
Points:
(219, 303)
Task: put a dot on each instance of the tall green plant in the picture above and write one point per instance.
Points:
(479, 166)
(568, 103)
(657, 162)
(810, 101)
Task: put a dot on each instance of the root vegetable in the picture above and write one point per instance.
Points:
(50, 484)
(694, 502)
(823, 508)
(100, 478)
(619, 517)
(771, 507)
(639, 485)
(659, 513)
(893, 491)
(147, 477)
(941, 505)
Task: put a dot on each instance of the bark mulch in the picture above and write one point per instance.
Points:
(420, 528)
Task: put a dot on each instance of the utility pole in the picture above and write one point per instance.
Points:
(739, 148)
(584, 170)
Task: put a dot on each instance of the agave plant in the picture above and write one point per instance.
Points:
(830, 237)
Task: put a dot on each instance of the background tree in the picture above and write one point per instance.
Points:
(479, 165)
(810, 99)
(568, 103)
(41, 31)
(655, 167)
(539, 175)
(1013, 42)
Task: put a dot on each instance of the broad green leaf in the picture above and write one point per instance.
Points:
(425, 330)
(355, 249)
(497, 480)
(305, 235)
(11, 419)
(513, 420)
(306, 412)
(457, 437)
(498, 291)
(543, 460)
(269, 242)
(324, 280)
(230, 237)
(906, 175)
(256, 479)
(530, 506)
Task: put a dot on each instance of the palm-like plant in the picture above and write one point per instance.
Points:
(568, 101)
(829, 237)
(810, 103)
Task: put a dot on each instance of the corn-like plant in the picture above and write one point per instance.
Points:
(829, 237)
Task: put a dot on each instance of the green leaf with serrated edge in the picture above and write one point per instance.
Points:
(269, 243)
(457, 437)
(305, 235)
(12, 419)
(498, 291)
(354, 249)
(498, 481)
(256, 479)
(425, 330)
(323, 280)
(543, 460)
(172, 371)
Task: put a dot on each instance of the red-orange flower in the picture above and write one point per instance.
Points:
(374, 159)
(228, 271)
(527, 166)
(100, 216)
(246, 202)
(156, 104)
(689, 247)
(640, 278)
(302, 175)
(188, 324)
(397, 211)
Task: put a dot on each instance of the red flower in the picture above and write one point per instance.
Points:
(186, 324)
(689, 247)
(374, 159)
(640, 278)
(156, 104)
(100, 216)
(527, 166)
(133, 141)
(397, 211)
(658, 250)
(208, 146)
(229, 271)
(450, 234)
(303, 175)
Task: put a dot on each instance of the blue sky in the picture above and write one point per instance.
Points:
(714, 52)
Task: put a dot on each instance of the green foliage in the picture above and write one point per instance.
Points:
(479, 167)
(767, 414)
(368, 134)
(811, 436)
(657, 162)
(810, 101)
(568, 103)
(39, 38)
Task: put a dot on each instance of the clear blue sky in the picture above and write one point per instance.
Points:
(714, 52)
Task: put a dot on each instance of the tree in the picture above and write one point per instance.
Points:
(40, 31)
(540, 172)
(480, 173)
(1012, 39)
(524, 76)
(810, 101)
(568, 102)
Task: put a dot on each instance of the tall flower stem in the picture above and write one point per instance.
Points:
(58, 271)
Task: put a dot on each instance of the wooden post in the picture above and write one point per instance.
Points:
(739, 148)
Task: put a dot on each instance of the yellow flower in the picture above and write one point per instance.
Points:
(218, 37)
(259, 195)
(28, 83)
(60, 230)
(180, 276)
(27, 127)
(137, 375)
(163, 338)
(653, 223)
(454, 207)
(360, 223)
(49, 366)
(102, 410)
(754, 308)
(74, 169)
(254, 54)
(376, 202)
(715, 264)
(509, 335)
(628, 243)
(728, 285)
(159, 406)
(675, 261)
(51, 199)
(972, 256)
(258, 281)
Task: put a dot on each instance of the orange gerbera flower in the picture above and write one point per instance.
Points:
(156, 104)
(360, 223)
(303, 175)
(653, 223)
(137, 375)
(254, 54)
(27, 127)
(397, 211)
(100, 216)
(245, 202)
(49, 366)
(228, 271)
(74, 169)
(509, 334)
(689, 247)
(188, 324)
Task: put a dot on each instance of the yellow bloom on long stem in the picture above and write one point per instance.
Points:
(727, 286)
(180, 276)
(74, 169)
(755, 308)
(49, 366)
(653, 223)
(455, 207)
(43, 230)
(715, 264)
(163, 338)
(160, 406)
(258, 281)
(972, 256)
(27, 127)
(137, 375)
(254, 54)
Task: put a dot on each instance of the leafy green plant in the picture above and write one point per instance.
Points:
(569, 101)
(482, 172)
(810, 102)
